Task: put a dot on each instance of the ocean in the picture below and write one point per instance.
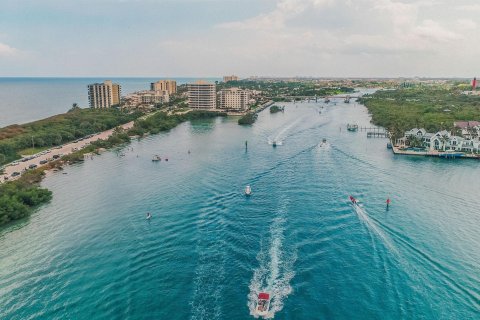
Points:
(208, 250)
(24, 100)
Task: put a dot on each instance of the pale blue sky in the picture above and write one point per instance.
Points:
(244, 37)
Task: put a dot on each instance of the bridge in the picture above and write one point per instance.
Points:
(326, 99)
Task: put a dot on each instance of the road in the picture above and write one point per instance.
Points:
(62, 150)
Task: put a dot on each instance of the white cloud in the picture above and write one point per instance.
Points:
(466, 24)
(6, 50)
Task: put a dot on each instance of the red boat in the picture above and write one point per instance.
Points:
(353, 200)
(263, 304)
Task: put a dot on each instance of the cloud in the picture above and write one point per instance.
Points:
(6, 50)
(466, 24)
(283, 12)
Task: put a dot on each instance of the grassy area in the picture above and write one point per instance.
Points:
(31, 151)
(432, 108)
(58, 130)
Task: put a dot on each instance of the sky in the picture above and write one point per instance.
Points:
(211, 38)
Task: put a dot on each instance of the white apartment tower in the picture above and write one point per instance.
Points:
(103, 95)
(234, 99)
(202, 95)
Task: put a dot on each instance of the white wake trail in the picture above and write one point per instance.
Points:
(274, 272)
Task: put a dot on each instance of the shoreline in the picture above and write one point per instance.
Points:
(66, 149)
(435, 153)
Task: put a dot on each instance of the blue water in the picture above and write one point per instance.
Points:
(28, 99)
(208, 250)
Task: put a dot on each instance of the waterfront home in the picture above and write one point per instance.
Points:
(468, 129)
(439, 141)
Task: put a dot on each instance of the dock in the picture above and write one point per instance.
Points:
(375, 132)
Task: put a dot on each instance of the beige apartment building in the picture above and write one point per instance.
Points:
(234, 99)
(146, 98)
(230, 78)
(202, 95)
(104, 95)
(164, 85)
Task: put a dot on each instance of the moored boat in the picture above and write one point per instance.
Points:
(274, 143)
(263, 304)
(156, 158)
(248, 190)
(352, 127)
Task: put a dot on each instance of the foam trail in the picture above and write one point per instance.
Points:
(372, 226)
(274, 272)
(281, 135)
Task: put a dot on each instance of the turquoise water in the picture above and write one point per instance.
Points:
(90, 253)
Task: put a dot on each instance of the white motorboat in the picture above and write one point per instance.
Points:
(263, 304)
(156, 158)
(248, 190)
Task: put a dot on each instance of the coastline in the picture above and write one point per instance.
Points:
(64, 150)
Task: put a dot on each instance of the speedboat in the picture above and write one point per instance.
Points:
(274, 143)
(156, 158)
(263, 304)
(353, 200)
(248, 190)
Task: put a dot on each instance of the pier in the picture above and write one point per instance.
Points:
(375, 132)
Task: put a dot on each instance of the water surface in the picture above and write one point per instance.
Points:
(208, 250)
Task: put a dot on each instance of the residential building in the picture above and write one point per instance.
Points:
(164, 85)
(202, 95)
(146, 98)
(104, 95)
(230, 78)
(234, 99)
(468, 129)
(439, 141)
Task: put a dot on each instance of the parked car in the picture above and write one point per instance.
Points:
(14, 174)
(32, 166)
(43, 161)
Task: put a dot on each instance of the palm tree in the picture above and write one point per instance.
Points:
(444, 138)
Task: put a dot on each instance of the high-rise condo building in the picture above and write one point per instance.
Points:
(202, 95)
(230, 78)
(164, 85)
(234, 99)
(104, 95)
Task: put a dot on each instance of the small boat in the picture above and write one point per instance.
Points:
(156, 158)
(353, 200)
(389, 145)
(248, 190)
(352, 127)
(149, 216)
(274, 143)
(166, 159)
(324, 140)
(263, 304)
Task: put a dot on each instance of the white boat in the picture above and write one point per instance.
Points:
(274, 143)
(248, 190)
(263, 304)
(156, 158)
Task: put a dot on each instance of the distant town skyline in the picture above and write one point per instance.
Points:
(213, 38)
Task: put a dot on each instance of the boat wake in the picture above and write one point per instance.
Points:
(280, 136)
(372, 226)
(274, 272)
